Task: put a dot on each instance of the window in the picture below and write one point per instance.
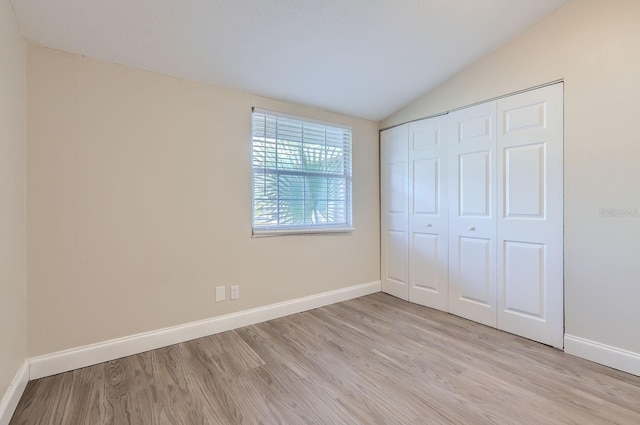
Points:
(301, 175)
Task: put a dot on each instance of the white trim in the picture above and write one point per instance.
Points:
(502, 96)
(617, 358)
(274, 231)
(258, 110)
(75, 358)
(11, 397)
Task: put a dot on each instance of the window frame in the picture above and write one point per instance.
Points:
(347, 175)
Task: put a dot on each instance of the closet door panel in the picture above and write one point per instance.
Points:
(524, 279)
(474, 188)
(426, 186)
(428, 217)
(475, 271)
(524, 181)
(394, 174)
(426, 253)
(530, 221)
(472, 213)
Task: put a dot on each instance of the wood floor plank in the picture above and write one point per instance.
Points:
(371, 360)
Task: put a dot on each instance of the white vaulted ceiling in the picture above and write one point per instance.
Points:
(365, 58)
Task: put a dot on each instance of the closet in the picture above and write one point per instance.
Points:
(472, 213)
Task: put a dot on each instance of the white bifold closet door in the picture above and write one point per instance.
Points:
(472, 213)
(530, 219)
(394, 186)
(428, 219)
(506, 214)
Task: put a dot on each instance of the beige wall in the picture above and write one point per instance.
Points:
(139, 204)
(12, 198)
(594, 46)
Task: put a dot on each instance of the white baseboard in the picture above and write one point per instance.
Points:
(10, 400)
(75, 358)
(617, 358)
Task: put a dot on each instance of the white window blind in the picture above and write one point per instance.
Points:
(301, 174)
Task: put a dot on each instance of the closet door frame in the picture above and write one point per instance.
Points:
(505, 251)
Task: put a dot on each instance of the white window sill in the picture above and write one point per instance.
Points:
(292, 232)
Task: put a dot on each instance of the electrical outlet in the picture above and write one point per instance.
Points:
(235, 292)
(221, 293)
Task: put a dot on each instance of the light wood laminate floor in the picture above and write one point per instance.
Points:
(372, 360)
